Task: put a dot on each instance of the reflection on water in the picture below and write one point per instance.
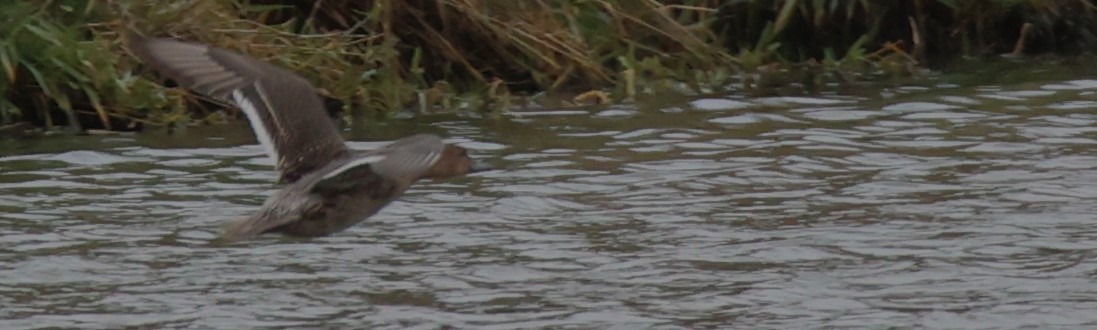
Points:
(933, 205)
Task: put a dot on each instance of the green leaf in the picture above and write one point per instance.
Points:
(42, 33)
(7, 60)
(74, 75)
(45, 85)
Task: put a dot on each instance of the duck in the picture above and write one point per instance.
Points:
(326, 186)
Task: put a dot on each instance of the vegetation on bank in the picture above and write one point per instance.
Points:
(63, 64)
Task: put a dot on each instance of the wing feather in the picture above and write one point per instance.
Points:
(284, 111)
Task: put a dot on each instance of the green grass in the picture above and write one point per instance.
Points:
(62, 63)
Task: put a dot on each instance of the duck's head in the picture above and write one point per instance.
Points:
(455, 161)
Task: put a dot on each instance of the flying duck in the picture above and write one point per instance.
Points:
(329, 187)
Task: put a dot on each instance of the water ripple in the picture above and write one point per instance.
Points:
(968, 210)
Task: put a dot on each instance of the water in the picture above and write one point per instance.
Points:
(942, 203)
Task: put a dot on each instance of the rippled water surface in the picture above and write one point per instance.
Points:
(935, 204)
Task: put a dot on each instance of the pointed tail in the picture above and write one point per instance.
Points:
(253, 225)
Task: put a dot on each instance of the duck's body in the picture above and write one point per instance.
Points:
(305, 208)
(343, 192)
(329, 187)
(297, 210)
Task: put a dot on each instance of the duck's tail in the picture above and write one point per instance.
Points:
(253, 225)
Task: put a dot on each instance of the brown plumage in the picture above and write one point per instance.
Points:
(329, 187)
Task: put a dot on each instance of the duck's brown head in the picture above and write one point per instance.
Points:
(455, 161)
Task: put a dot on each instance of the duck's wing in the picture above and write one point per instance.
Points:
(285, 112)
(398, 163)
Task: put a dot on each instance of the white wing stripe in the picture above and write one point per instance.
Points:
(257, 126)
(432, 158)
(352, 164)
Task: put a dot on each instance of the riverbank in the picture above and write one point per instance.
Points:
(64, 65)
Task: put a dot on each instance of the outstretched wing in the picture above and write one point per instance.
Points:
(402, 162)
(283, 108)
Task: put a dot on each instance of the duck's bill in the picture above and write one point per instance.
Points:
(479, 166)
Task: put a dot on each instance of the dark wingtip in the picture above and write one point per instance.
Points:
(130, 36)
(135, 42)
(127, 23)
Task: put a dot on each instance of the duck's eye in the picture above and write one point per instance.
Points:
(464, 153)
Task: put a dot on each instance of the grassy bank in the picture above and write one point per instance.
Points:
(64, 65)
